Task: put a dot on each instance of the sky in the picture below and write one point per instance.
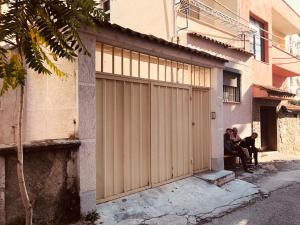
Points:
(295, 4)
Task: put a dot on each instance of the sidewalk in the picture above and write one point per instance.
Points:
(193, 200)
(187, 201)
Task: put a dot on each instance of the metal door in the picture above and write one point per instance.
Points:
(123, 137)
(201, 130)
(171, 152)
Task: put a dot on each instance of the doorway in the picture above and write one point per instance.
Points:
(268, 123)
(200, 128)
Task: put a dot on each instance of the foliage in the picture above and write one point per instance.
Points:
(91, 218)
(11, 72)
(36, 33)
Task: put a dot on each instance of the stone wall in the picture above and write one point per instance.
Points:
(50, 169)
(289, 132)
(288, 127)
(2, 190)
(257, 103)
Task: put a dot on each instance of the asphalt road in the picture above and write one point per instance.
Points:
(281, 208)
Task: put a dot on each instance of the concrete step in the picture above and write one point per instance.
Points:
(217, 177)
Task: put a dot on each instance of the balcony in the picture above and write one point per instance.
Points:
(219, 21)
(284, 63)
(284, 18)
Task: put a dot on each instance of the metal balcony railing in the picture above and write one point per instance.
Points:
(218, 16)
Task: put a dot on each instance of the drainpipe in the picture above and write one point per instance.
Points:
(176, 29)
(174, 37)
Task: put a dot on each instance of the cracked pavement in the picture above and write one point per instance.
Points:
(186, 201)
(194, 201)
(279, 181)
(281, 208)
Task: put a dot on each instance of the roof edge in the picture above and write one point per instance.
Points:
(274, 89)
(158, 40)
(222, 44)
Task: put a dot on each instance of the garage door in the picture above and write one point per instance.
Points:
(201, 130)
(144, 121)
(171, 152)
(123, 137)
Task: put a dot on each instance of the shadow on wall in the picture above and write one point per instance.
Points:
(8, 116)
(216, 49)
(239, 114)
(52, 184)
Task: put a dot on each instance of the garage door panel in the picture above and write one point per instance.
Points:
(100, 92)
(168, 132)
(174, 125)
(131, 119)
(118, 102)
(186, 120)
(160, 169)
(127, 136)
(207, 125)
(145, 135)
(201, 128)
(170, 122)
(123, 142)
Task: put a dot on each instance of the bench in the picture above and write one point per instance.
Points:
(230, 161)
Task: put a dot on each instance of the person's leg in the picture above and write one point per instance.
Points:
(243, 158)
(250, 154)
(254, 150)
(246, 152)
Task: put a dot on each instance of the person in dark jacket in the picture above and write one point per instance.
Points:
(232, 149)
(249, 143)
(228, 144)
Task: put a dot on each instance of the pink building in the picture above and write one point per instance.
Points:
(150, 106)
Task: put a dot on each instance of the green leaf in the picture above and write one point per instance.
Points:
(40, 32)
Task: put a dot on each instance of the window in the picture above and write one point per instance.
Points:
(231, 87)
(257, 40)
(123, 62)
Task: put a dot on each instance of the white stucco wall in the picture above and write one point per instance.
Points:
(150, 17)
(50, 107)
(234, 114)
(240, 114)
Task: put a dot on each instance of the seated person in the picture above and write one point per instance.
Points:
(249, 143)
(236, 139)
(234, 136)
(232, 149)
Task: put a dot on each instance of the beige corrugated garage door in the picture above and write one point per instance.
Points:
(201, 130)
(144, 121)
(123, 137)
(145, 135)
(171, 152)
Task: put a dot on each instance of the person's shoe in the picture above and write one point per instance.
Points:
(250, 166)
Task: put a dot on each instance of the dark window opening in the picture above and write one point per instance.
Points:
(231, 87)
(257, 39)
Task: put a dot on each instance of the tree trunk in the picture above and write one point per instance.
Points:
(20, 169)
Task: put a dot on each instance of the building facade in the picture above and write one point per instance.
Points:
(164, 80)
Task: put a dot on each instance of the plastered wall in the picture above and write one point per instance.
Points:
(50, 109)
